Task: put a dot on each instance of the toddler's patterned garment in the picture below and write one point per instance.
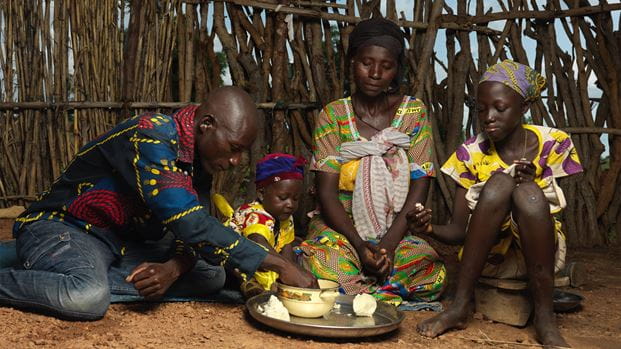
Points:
(251, 218)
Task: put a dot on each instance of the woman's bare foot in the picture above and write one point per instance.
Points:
(547, 331)
(456, 317)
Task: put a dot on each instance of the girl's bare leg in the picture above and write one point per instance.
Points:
(536, 226)
(492, 208)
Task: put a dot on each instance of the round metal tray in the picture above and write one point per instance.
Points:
(340, 322)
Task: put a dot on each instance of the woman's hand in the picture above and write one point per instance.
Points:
(525, 171)
(387, 248)
(375, 261)
(419, 220)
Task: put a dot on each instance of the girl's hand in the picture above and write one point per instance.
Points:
(419, 220)
(525, 171)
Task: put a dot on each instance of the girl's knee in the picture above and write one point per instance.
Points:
(502, 179)
(528, 197)
(498, 187)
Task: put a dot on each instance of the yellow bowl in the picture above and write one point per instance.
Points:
(308, 302)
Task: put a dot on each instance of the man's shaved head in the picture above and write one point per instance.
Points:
(225, 126)
(231, 106)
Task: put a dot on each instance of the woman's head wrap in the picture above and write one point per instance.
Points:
(277, 167)
(378, 31)
(519, 77)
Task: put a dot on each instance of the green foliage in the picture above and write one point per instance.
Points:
(612, 237)
(605, 163)
(222, 60)
(335, 35)
(334, 31)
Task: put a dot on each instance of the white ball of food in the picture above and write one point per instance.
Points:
(419, 206)
(275, 309)
(364, 305)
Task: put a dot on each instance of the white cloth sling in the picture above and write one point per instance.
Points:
(382, 181)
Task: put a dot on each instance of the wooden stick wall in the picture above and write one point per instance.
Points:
(70, 70)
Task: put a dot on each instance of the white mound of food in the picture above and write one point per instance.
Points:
(364, 305)
(274, 309)
(419, 206)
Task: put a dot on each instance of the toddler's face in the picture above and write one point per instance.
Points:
(281, 199)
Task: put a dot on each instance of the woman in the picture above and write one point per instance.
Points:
(372, 155)
(506, 199)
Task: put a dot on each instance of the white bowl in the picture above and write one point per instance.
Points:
(308, 302)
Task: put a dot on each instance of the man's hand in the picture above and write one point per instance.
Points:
(298, 277)
(152, 280)
(289, 273)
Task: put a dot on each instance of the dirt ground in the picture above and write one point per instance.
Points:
(185, 325)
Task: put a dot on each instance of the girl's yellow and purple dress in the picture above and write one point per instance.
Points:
(476, 160)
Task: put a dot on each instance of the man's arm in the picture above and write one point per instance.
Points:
(150, 167)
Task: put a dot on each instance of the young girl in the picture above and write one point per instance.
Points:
(506, 199)
(268, 220)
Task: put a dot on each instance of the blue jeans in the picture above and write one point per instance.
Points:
(202, 280)
(68, 273)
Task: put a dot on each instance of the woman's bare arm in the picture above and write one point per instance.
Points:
(333, 211)
(416, 194)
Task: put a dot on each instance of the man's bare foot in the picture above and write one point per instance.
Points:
(453, 318)
(547, 331)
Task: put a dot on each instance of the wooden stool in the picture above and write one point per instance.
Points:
(503, 300)
(506, 300)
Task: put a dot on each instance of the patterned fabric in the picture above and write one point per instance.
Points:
(136, 180)
(418, 273)
(551, 190)
(476, 161)
(385, 164)
(336, 124)
(278, 166)
(519, 77)
(252, 218)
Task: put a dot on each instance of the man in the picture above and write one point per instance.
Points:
(133, 183)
